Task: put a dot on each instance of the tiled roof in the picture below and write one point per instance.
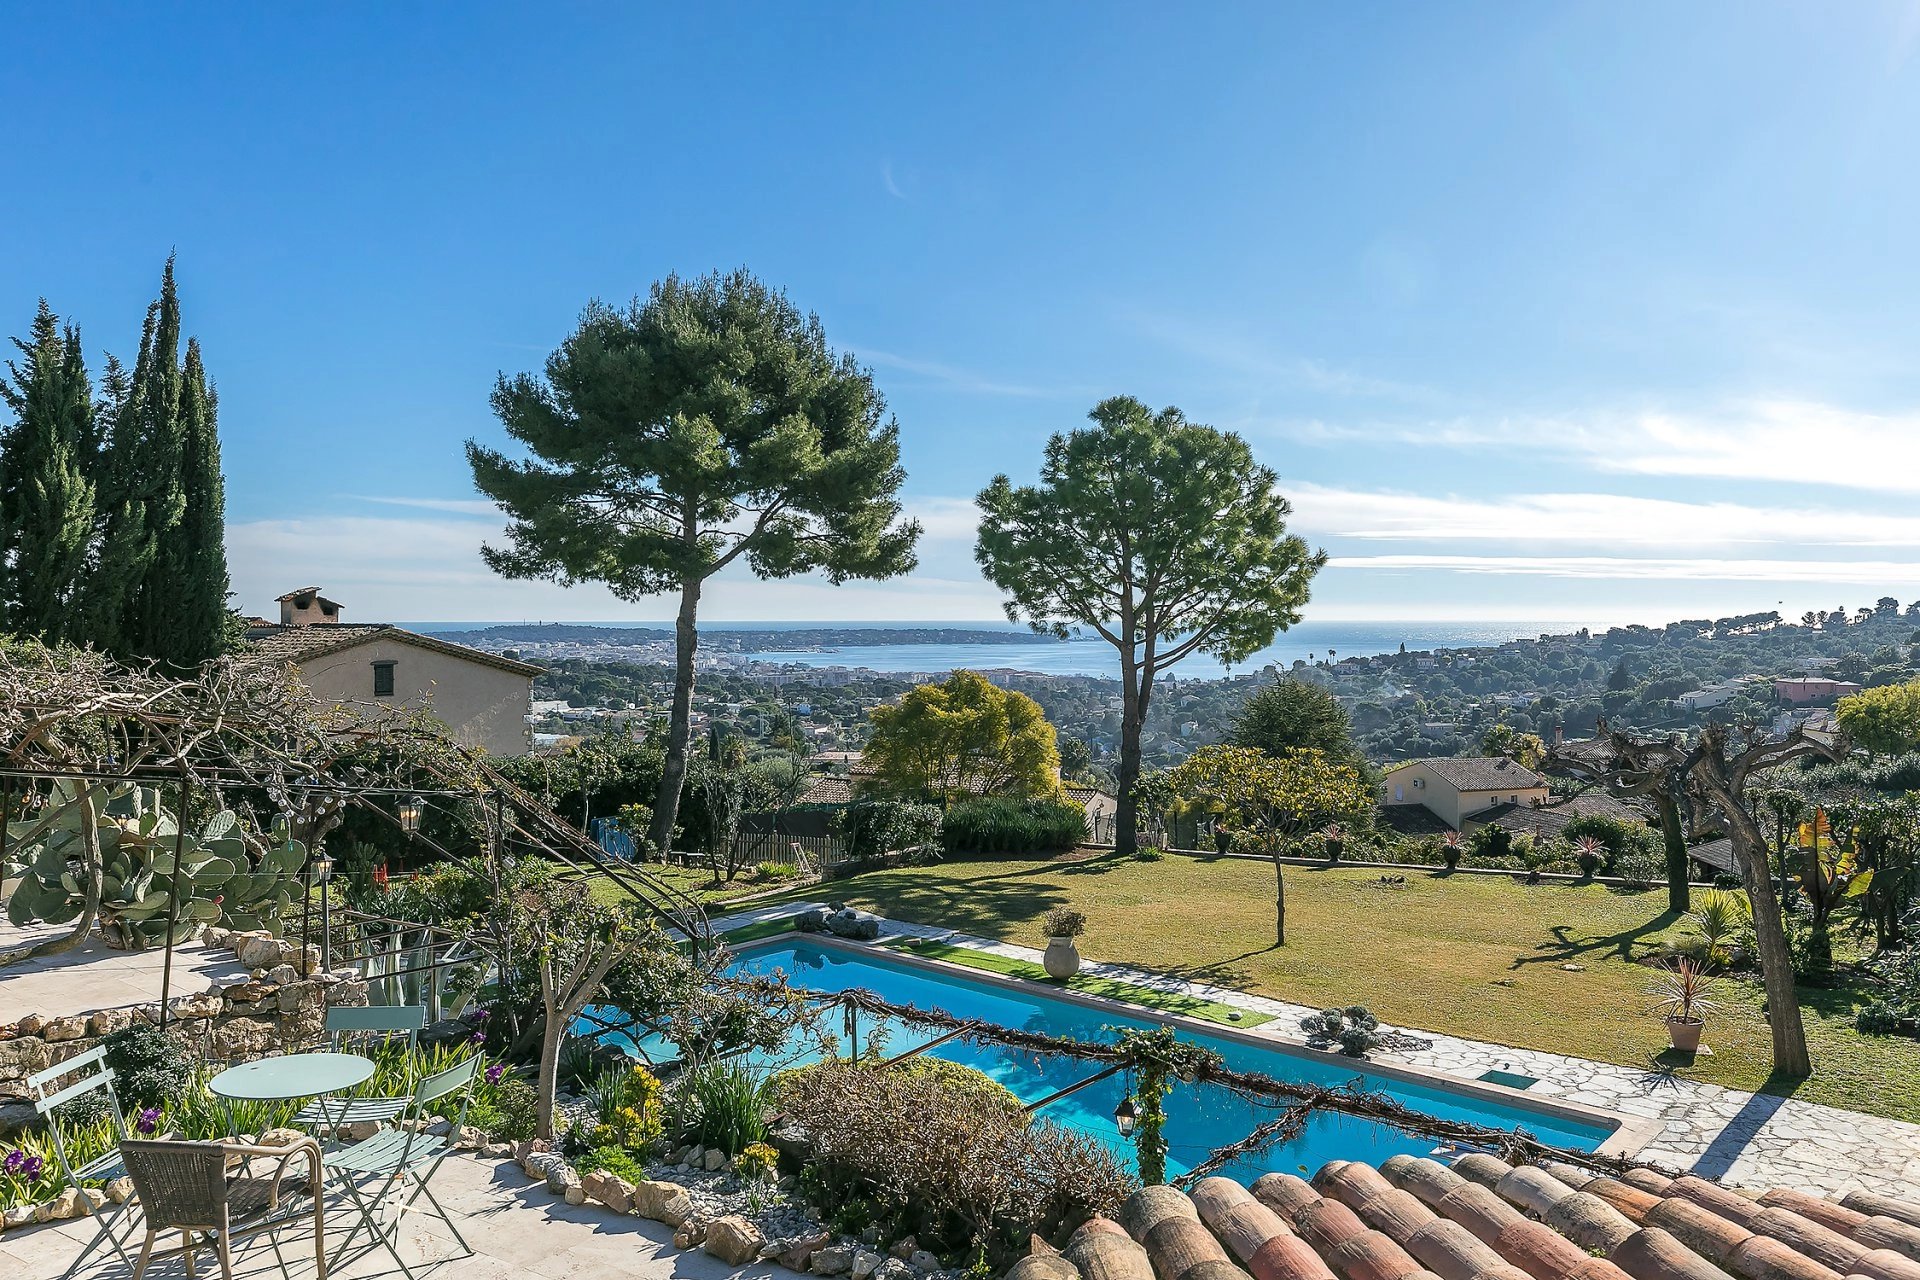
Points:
(828, 790)
(1483, 773)
(1717, 854)
(295, 645)
(1484, 1219)
(1409, 820)
(1551, 820)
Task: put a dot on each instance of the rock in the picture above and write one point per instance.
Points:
(563, 1181)
(218, 938)
(361, 1130)
(687, 1235)
(91, 1199)
(798, 1255)
(615, 1192)
(541, 1164)
(108, 1021)
(892, 1269)
(866, 1262)
(281, 974)
(498, 1151)
(241, 1039)
(256, 949)
(469, 1138)
(245, 992)
(870, 1235)
(71, 1028)
(903, 1248)
(715, 1160)
(734, 1240)
(921, 1260)
(574, 1194)
(666, 1202)
(347, 991)
(812, 920)
(201, 1006)
(19, 1216)
(66, 1205)
(120, 1190)
(862, 926)
(833, 1260)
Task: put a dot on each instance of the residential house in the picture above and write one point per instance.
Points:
(1800, 690)
(483, 698)
(1452, 787)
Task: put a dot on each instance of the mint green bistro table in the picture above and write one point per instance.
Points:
(296, 1075)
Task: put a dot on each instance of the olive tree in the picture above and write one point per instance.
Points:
(706, 424)
(1162, 536)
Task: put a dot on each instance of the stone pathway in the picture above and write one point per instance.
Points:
(1742, 1139)
(516, 1228)
(95, 976)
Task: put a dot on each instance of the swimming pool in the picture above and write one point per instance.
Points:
(1200, 1118)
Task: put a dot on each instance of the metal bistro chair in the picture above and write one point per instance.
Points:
(102, 1168)
(371, 1170)
(183, 1186)
(347, 1027)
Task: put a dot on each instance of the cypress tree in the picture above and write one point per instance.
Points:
(199, 565)
(125, 549)
(158, 440)
(47, 497)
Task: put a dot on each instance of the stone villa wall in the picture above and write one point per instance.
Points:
(272, 1010)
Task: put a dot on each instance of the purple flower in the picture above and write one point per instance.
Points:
(478, 1015)
(479, 1037)
(31, 1169)
(495, 1071)
(15, 1158)
(148, 1121)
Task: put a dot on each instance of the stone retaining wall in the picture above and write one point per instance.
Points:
(272, 1010)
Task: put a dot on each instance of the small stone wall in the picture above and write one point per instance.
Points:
(272, 1010)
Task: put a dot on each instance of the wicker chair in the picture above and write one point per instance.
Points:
(183, 1186)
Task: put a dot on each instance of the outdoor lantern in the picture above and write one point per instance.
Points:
(1125, 1114)
(410, 811)
(322, 869)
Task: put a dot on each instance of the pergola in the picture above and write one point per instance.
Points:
(248, 737)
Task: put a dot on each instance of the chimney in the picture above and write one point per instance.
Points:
(306, 607)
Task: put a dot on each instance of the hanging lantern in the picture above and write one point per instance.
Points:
(410, 810)
(1126, 1115)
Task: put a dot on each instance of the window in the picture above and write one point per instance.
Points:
(383, 679)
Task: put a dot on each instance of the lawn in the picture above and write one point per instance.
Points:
(696, 882)
(1544, 966)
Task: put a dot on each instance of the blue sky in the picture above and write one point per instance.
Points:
(1589, 312)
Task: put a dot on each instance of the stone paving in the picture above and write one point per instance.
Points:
(515, 1227)
(94, 976)
(1742, 1139)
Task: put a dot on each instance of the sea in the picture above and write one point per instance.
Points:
(1092, 656)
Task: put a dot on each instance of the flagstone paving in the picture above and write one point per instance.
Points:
(515, 1227)
(95, 976)
(1742, 1139)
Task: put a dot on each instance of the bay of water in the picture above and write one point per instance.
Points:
(1095, 657)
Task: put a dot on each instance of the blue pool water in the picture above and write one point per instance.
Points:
(1199, 1118)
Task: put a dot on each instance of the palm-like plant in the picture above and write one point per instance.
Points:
(1681, 992)
(1453, 846)
(1719, 915)
(1590, 852)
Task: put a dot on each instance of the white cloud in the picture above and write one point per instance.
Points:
(1782, 441)
(465, 506)
(1597, 519)
(1878, 573)
(958, 379)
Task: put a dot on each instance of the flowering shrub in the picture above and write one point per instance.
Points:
(758, 1163)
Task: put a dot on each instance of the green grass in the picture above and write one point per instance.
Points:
(1552, 967)
(755, 932)
(696, 882)
(1086, 984)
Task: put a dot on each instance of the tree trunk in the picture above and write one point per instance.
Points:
(1679, 891)
(93, 871)
(686, 638)
(551, 1037)
(1133, 713)
(1790, 1057)
(1279, 899)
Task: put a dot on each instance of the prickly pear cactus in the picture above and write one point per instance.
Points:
(217, 879)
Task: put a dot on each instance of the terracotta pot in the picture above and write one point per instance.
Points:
(1062, 959)
(1684, 1033)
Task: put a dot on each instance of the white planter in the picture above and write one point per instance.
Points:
(1062, 959)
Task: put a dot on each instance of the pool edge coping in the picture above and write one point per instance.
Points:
(1629, 1133)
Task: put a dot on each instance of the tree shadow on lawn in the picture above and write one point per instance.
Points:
(991, 906)
(1565, 946)
(1220, 973)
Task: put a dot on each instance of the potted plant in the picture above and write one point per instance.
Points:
(1681, 999)
(1333, 838)
(1452, 846)
(1063, 925)
(1591, 853)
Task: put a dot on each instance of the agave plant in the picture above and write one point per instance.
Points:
(1452, 846)
(1590, 852)
(146, 860)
